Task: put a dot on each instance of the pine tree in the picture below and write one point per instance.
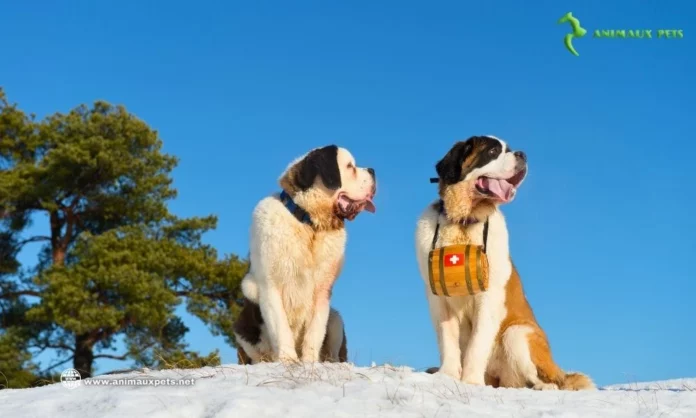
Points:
(115, 262)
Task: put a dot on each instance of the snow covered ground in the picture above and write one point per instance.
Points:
(335, 390)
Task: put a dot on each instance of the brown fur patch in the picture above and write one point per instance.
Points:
(491, 380)
(477, 148)
(519, 312)
(540, 352)
(461, 201)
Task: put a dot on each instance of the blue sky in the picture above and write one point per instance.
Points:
(602, 231)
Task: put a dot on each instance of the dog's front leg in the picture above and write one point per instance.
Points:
(277, 325)
(316, 330)
(447, 329)
(487, 319)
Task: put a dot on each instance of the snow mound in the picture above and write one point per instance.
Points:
(333, 390)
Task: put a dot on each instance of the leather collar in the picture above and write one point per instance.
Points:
(299, 213)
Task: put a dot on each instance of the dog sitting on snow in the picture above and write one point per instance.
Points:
(490, 337)
(296, 253)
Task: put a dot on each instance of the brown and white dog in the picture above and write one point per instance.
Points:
(296, 253)
(491, 337)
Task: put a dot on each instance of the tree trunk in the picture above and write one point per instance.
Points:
(84, 347)
(58, 257)
(84, 356)
(57, 247)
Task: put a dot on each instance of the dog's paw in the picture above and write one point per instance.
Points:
(545, 386)
(288, 355)
(288, 360)
(309, 353)
(474, 379)
(308, 358)
(453, 371)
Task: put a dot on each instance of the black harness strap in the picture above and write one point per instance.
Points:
(485, 235)
(437, 226)
(441, 210)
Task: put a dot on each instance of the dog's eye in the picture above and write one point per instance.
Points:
(494, 151)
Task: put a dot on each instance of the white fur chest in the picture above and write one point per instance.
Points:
(318, 260)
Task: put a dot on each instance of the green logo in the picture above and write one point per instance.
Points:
(617, 33)
(578, 32)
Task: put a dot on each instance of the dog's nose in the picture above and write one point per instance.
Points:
(372, 172)
(521, 155)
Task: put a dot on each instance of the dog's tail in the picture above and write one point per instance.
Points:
(549, 372)
(576, 381)
(250, 289)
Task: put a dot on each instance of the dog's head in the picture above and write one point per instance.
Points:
(478, 174)
(326, 182)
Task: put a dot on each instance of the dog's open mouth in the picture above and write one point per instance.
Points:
(500, 189)
(349, 208)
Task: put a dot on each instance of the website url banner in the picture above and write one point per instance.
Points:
(138, 382)
(71, 379)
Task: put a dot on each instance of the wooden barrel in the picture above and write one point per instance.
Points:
(458, 270)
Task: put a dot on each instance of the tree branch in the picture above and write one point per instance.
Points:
(223, 294)
(54, 346)
(124, 356)
(102, 334)
(112, 356)
(15, 295)
(34, 239)
(59, 364)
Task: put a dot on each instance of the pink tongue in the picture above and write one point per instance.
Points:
(369, 206)
(366, 204)
(501, 188)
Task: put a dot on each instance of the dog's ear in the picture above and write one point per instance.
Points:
(320, 162)
(449, 168)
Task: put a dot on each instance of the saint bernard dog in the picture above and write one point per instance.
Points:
(491, 337)
(296, 253)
